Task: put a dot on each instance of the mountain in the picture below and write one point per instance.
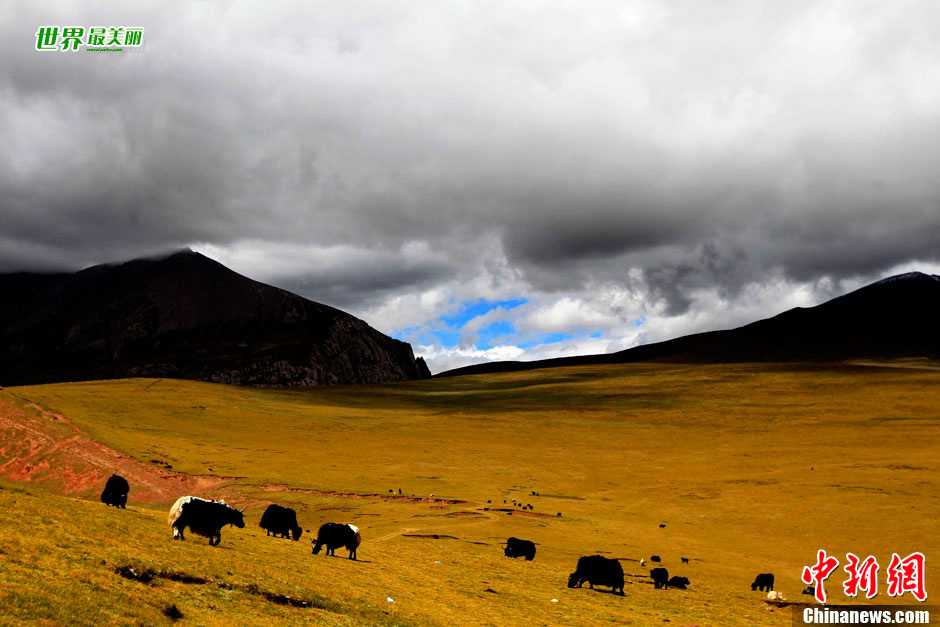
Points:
(895, 317)
(184, 316)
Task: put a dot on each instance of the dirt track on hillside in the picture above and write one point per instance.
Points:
(41, 446)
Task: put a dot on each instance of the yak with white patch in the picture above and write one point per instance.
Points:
(280, 521)
(519, 548)
(115, 492)
(335, 535)
(203, 517)
(600, 570)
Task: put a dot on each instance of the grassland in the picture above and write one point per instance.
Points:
(752, 468)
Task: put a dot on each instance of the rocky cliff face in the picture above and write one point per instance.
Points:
(185, 316)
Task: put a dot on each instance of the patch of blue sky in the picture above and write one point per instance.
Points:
(495, 333)
(639, 322)
(548, 338)
(472, 309)
(427, 336)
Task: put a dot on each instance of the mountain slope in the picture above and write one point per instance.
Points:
(895, 317)
(184, 316)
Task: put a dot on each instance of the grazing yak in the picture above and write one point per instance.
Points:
(335, 535)
(518, 548)
(600, 570)
(682, 583)
(115, 492)
(764, 581)
(655, 558)
(281, 521)
(660, 577)
(203, 517)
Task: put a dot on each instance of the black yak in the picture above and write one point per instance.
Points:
(518, 548)
(600, 570)
(655, 558)
(764, 581)
(660, 577)
(679, 582)
(335, 535)
(203, 517)
(281, 521)
(115, 492)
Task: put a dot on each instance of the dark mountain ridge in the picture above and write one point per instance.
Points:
(184, 316)
(892, 318)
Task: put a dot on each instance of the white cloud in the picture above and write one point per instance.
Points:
(566, 315)
(440, 359)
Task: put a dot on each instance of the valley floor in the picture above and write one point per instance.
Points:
(751, 468)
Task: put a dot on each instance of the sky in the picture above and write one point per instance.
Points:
(487, 180)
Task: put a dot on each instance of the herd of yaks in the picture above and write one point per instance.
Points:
(206, 517)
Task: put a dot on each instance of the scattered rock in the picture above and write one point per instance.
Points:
(172, 612)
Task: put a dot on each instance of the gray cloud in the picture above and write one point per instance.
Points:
(668, 149)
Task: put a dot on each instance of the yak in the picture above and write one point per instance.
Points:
(280, 521)
(764, 581)
(660, 577)
(600, 570)
(681, 583)
(335, 535)
(115, 492)
(203, 517)
(518, 548)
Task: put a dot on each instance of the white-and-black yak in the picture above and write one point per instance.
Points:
(281, 521)
(335, 535)
(519, 548)
(203, 517)
(600, 570)
(115, 492)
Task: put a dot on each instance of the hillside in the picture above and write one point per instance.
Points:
(184, 316)
(731, 458)
(893, 318)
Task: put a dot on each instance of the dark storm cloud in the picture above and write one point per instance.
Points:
(361, 284)
(665, 148)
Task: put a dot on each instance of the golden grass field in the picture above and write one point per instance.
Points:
(752, 468)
